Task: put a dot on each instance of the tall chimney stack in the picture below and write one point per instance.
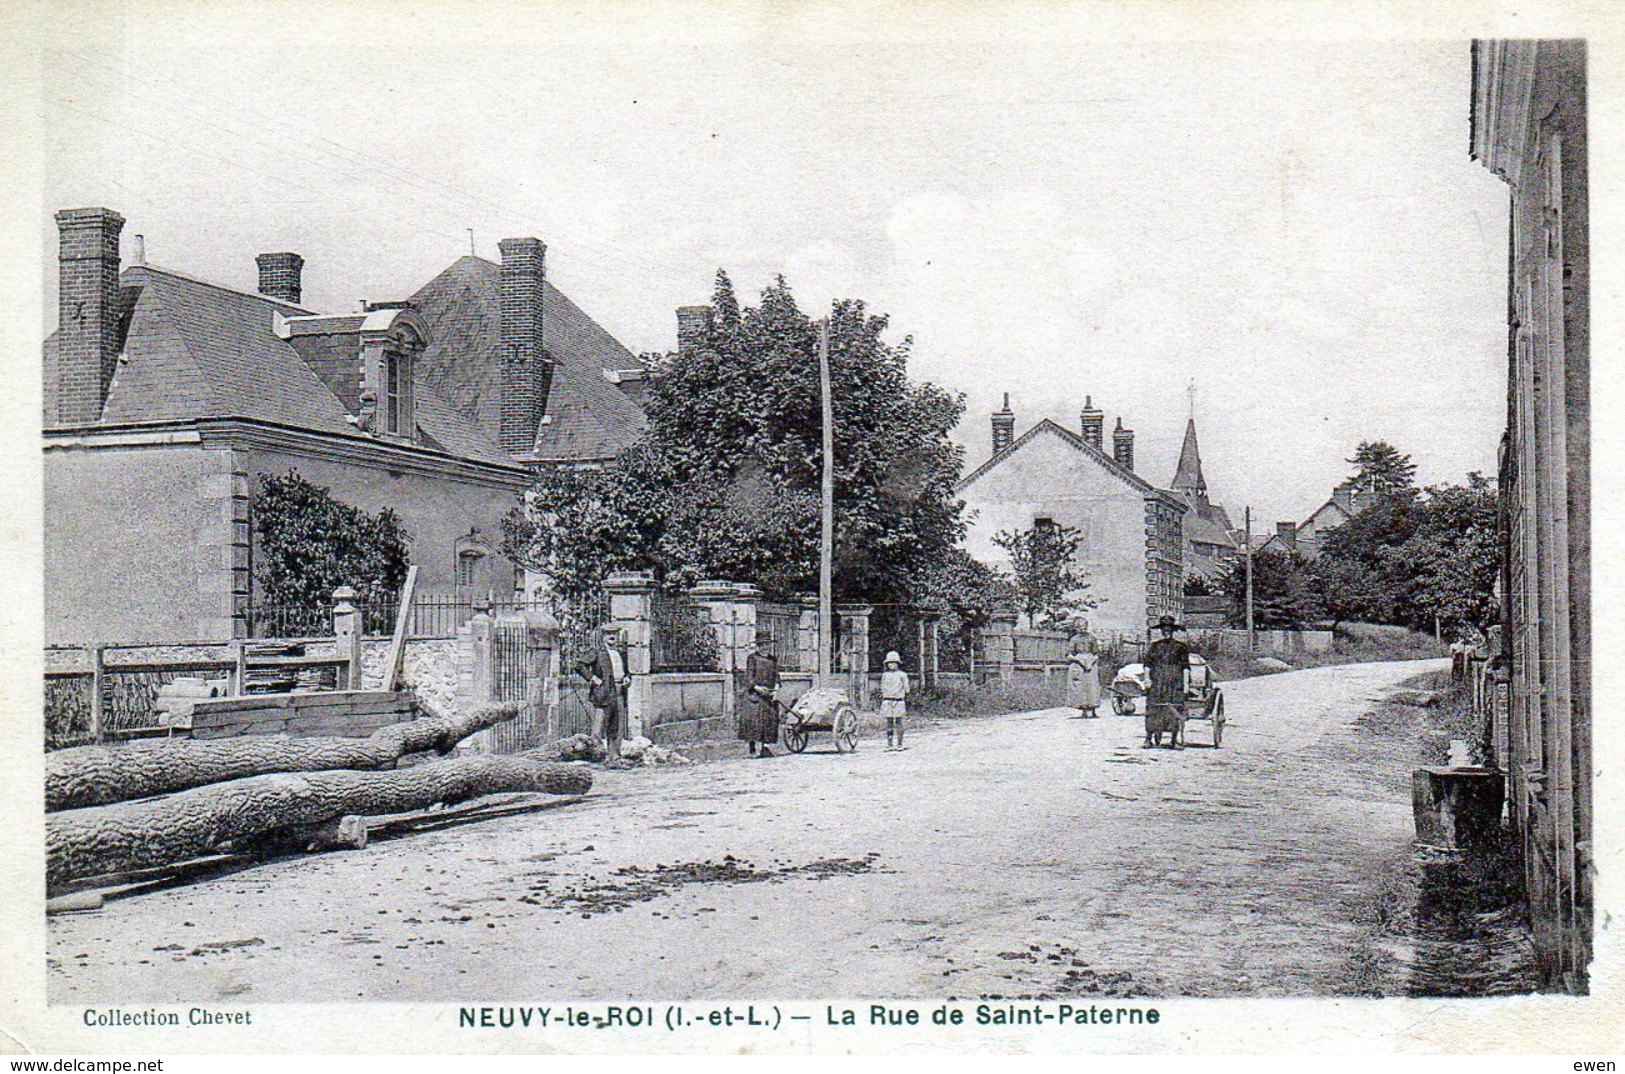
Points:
(1093, 421)
(1004, 426)
(527, 372)
(693, 326)
(87, 340)
(1288, 532)
(280, 276)
(1123, 446)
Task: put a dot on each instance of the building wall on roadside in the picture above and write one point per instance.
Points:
(436, 511)
(1050, 478)
(1529, 125)
(141, 544)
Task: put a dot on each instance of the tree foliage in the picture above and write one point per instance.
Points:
(1286, 594)
(1381, 470)
(725, 483)
(1413, 557)
(1049, 586)
(307, 544)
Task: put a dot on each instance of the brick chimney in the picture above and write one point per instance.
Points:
(87, 341)
(527, 371)
(1343, 496)
(693, 325)
(1004, 426)
(1123, 446)
(1288, 533)
(279, 275)
(1093, 422)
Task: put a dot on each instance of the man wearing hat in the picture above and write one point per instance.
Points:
(1168, 662)
(758, 719)
(606, 675)
(893, 699)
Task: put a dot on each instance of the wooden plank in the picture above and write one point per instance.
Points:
(403, 619)
(98, 686)
(248, 703)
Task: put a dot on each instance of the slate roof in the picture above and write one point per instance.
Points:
(588, 417)
(1070, 438)
(1188, 476)
(194, 350)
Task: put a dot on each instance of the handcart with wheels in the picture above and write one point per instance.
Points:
(1204, 700)
(1129, 686)
(822, 710)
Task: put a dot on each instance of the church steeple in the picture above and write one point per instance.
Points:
(1189, 476)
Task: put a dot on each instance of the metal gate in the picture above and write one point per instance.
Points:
(579, 638)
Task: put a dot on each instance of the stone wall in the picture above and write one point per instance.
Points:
(429, 665)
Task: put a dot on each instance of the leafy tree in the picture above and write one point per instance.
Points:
(1455, 555)
(1380, 470)
(1285, 592)
(1048, 584)
(1197, 586)
(307, 544)
(1410, 559)
(726, 481)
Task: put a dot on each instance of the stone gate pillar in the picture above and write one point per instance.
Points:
(999, 644)
(730, 608)
(807, 635)
(854, 655)
(347, 635)
(631, 600)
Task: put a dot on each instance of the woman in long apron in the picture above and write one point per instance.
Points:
(1083, 678)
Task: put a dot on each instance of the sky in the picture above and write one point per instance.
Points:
(1049, 211)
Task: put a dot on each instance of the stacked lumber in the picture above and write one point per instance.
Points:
(333, 713)
(142, 805)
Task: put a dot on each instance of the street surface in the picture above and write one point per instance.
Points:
(1031, 855)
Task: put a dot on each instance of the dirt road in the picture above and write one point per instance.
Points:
(1026, 855)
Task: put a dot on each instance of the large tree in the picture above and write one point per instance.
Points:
(1381, 470)
(725, 482)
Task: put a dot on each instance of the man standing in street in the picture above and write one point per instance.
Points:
(608, 691)
(1168, 662)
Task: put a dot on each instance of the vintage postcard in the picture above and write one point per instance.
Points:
(811, 527)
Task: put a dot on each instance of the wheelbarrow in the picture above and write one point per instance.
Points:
(819, 711)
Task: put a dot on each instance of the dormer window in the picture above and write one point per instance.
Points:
(391, 340)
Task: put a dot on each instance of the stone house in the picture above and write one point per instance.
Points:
(1529, 129)
(166, 396)
(1132, 547)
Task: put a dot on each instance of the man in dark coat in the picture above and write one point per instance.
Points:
(758, 719)
(608, 682)
(1168, 663)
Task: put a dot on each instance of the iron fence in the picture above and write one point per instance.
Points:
(435, 616)
(896, 628)
(681, 638)
(780, 624)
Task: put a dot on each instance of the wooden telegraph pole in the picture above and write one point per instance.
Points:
(1249, 547)
(826, 544)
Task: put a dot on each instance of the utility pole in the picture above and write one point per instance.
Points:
(1248, 545)
(826, 544)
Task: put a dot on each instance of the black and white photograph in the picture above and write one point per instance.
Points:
(775, 527)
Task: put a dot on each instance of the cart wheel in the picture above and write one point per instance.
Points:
(845, 729)
(1123, 706)
(795, 739)
(1218, 721)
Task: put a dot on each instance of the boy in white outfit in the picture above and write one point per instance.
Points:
(893, 699)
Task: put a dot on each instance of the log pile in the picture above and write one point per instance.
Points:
(162, 802)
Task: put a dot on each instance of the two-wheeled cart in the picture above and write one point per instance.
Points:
(825, 711)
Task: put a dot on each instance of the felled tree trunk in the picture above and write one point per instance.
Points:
(162, 831)
(96, 775)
